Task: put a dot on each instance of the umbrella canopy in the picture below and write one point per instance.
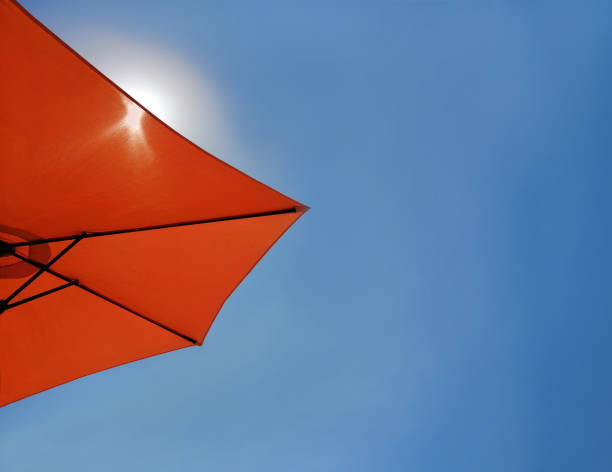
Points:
(120, 239)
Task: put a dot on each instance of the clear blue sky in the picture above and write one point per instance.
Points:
(444, 306)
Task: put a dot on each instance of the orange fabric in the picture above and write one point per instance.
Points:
(67, 335)
(79, 155)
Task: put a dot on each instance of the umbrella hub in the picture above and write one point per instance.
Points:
(5, 250)
(10, 265)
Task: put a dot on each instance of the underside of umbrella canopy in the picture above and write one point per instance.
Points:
(119, 238)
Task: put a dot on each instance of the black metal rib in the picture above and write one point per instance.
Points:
(42, 269)
(76, 283)
(96, 234)
(41, 294)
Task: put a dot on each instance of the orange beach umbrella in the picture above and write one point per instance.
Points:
(119, 238)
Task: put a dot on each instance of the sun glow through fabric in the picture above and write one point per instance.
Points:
(133, 118)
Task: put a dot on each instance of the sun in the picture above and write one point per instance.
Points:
(147, 99)
(150, 97)
(175, 90)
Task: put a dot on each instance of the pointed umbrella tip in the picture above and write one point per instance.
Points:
(302, 208)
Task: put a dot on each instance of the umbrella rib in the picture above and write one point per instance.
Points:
(95, 234)
(38, 295)
(78, 284)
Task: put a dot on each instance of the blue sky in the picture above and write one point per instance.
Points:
(445, 305)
